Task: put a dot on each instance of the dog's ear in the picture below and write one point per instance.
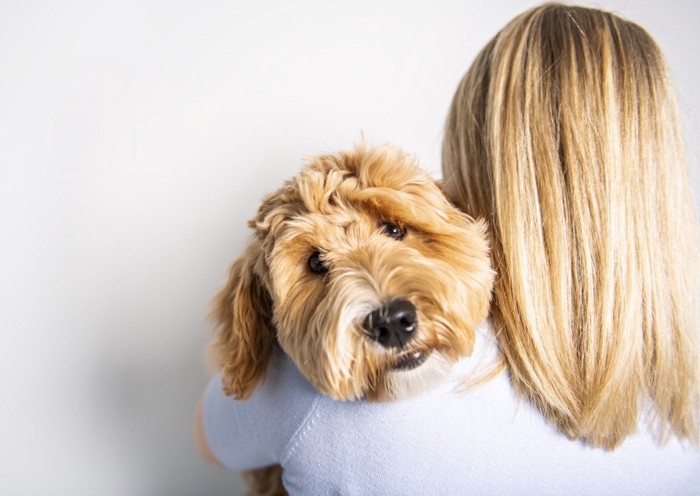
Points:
(244, 339)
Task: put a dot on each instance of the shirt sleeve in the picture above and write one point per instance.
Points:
(256, 432)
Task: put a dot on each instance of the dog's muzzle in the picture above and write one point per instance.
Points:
(393, 324)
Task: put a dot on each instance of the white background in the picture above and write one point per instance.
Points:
(136, 138)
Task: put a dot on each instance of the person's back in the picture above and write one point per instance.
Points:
(564, 136)
(447, 441)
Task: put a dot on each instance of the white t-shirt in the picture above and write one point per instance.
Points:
(444, 442)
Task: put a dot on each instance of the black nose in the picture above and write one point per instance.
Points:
(393, 325)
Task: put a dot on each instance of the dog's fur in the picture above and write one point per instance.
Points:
(339, 206)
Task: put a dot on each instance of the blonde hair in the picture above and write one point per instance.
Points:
(564, 135)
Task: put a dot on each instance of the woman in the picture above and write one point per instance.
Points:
(564, 135)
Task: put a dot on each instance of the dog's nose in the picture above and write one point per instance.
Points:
(393, 325)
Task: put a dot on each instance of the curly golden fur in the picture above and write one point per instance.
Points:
(337, 210)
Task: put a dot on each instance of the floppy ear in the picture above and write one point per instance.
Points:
(244, 337)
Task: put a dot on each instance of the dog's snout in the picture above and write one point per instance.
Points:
(393, 325)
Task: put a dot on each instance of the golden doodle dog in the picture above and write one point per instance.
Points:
(363, 273)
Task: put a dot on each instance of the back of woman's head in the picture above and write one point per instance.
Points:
(564, 135)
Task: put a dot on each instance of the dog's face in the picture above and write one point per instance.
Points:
(363, 273)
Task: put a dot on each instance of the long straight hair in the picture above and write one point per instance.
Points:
(564, 135)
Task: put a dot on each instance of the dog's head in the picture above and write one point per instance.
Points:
(363, 272)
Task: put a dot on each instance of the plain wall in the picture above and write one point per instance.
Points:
(136, 139)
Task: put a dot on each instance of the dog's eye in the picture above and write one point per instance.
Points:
(316, 264)
(393, 231)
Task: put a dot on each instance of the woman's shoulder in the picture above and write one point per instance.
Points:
(257, 431)
(485, 439)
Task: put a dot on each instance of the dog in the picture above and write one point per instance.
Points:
(364, 274)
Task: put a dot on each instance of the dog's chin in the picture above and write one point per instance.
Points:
(414, 374)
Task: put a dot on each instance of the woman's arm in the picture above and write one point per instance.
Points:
(200, 438)
(256, 432)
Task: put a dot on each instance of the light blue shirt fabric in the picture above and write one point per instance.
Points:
(444, 442)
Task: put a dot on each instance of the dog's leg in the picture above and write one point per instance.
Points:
(265, 481)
